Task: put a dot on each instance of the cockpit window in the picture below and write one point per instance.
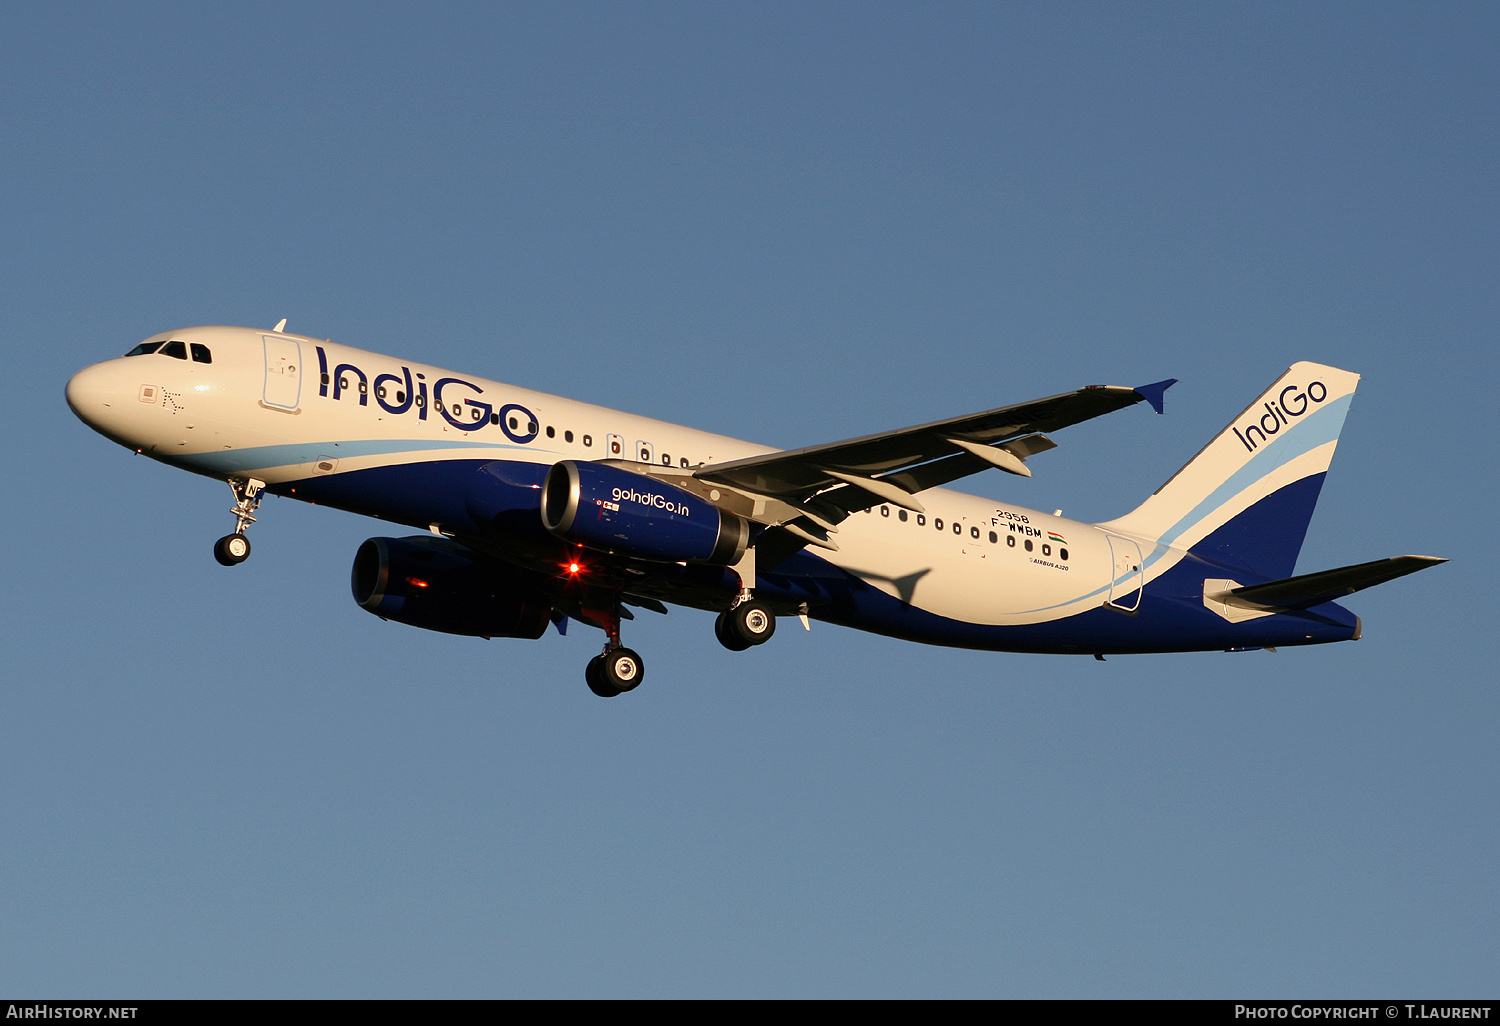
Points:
(144, 348)
(176, 350)
(201, 354)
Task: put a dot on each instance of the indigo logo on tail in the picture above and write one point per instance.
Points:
(1292, 403)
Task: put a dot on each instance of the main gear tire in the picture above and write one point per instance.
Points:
(622, 669)
(596, 681)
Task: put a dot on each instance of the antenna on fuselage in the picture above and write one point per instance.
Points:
(280, 325)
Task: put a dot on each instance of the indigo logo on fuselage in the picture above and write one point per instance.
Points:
(400, 393)
(1291, 403)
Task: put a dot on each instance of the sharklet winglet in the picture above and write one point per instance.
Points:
(1155, 393)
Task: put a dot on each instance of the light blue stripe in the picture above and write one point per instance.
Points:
(229, 461)
(1319, 429)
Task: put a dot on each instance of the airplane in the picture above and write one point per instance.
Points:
(543, 510)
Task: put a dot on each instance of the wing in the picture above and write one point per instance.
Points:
(800, 496)
(893, 465)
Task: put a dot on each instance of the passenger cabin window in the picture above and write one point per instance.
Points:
(144, 348)
(201, 353)
(176, 350)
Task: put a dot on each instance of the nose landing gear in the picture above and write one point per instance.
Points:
(233, 549)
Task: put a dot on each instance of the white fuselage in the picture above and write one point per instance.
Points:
(285, 408)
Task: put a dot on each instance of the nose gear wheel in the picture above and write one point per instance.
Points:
(232, 549)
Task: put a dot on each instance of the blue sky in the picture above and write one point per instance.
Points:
(790, 223)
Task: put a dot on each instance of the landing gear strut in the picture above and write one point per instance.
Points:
(617, 669)
(233, 549)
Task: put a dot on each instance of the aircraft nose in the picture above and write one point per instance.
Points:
(91, 391)
(105, 400)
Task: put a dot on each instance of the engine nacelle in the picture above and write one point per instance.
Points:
(617, 510)
(439, 585)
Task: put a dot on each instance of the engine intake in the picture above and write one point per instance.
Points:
(616, 510)
(439, 585)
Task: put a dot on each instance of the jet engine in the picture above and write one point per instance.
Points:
(616, 510)
(439, 585)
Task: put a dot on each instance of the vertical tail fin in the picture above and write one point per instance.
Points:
(1245, 500)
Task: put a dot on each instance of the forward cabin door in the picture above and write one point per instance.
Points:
(283, 389)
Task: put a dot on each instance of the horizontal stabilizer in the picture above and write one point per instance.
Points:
(1326, 585)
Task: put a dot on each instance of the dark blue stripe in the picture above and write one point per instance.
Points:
(499, 501)
(1171, 617)
(488, 498)
(1266, 539)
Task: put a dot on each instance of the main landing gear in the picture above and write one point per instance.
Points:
(233, 549)
(614, 672)
(617, 669)
(748, 622)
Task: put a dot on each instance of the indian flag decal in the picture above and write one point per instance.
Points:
(1054, 536)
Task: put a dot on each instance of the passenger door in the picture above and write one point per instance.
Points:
(1126, 577)
(283, 388)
